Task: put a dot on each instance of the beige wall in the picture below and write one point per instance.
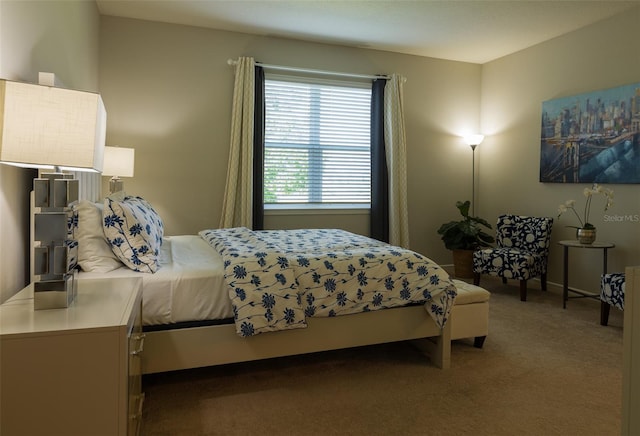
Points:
(168, 91)
(600, 56)
(58, 37)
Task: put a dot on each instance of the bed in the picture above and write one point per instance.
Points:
(190, 321)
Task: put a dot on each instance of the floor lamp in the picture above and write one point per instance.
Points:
(46, 127)
(473, 141)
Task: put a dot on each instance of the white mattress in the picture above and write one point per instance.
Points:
(188, 286)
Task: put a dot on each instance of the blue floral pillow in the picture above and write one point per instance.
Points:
(134, 230)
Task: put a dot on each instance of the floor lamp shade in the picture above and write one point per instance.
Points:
(474, 140)
(47, 127)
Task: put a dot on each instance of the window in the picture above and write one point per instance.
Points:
(317, 142)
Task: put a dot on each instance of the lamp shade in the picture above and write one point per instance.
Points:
(45, 127)
(473, 140)
(118, 161)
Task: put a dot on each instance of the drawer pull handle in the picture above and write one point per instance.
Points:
(140, 339)
(138, 414)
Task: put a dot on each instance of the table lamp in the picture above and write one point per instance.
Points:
(46, 127)
(118, 162)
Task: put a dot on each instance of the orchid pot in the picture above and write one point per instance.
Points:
(586, 236)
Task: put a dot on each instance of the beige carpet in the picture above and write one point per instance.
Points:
(543, 371)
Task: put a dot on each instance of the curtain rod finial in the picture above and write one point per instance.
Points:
(231, 62)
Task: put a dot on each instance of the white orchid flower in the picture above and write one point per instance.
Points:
(588, 193)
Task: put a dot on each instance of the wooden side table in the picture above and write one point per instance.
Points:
(604, 246)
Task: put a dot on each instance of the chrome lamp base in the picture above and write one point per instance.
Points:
(115, 185)
(55, 294)
(55, 252)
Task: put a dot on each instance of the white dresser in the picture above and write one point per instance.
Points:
(73, 371)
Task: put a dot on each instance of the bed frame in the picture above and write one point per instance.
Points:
(195, 347)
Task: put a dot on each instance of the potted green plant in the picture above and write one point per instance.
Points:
(463, 238)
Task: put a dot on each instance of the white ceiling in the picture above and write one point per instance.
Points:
(475, 31)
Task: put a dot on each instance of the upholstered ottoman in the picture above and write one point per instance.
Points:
(470, 313)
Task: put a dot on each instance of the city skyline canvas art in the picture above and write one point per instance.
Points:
(592, 137)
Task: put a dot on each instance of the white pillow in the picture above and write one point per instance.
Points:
(94, 254)
(134, 230)
(116, 196)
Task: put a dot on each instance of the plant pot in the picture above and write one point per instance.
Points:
(463, 264)
(586, 236)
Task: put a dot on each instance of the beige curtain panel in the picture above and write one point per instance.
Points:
(396, 153)
(237, 205)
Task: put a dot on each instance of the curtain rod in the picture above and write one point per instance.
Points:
(307, 70)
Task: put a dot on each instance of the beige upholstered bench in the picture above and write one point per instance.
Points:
(470, 313)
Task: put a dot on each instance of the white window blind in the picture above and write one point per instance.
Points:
(317, 142)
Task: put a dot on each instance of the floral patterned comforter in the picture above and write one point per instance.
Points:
(277, 278)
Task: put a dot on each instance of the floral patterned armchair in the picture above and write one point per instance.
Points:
(521, 253)
(611, 294)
